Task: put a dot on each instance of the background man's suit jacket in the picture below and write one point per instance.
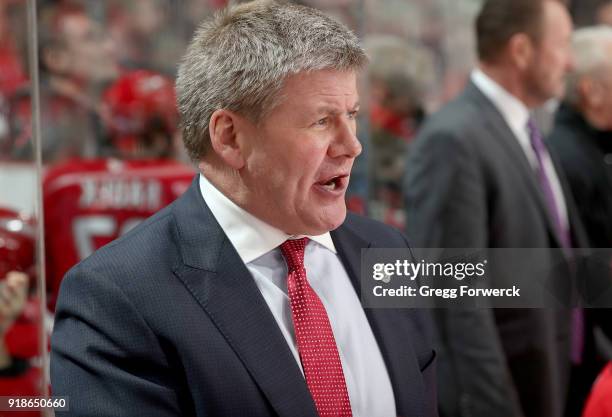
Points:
(470, 185)
(167, 321)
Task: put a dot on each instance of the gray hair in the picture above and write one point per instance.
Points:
(591, 48)
(240, 59)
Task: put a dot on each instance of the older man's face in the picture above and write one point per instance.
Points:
(300, 156)
(602, 103)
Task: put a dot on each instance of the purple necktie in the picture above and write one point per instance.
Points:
(562, 232)
(540, 150)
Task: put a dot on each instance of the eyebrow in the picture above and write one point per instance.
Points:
(333, 110)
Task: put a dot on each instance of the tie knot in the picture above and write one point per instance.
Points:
(531, 125)
(535, 135)
(293, 251)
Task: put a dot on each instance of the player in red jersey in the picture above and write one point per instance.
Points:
(142, 115)
(20, 317)
(89, 203)
(599, 403)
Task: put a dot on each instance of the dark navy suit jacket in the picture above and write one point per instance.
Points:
(167, 321)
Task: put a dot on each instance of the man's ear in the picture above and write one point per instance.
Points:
(521, 49)
(223, 129)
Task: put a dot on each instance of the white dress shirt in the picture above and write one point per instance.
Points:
(257, 244)
(516, 115)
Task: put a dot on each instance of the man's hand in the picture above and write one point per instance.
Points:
(13, 295)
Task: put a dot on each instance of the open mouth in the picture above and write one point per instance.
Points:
(336, 183)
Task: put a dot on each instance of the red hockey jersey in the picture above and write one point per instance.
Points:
(87, 204)
(599, 403)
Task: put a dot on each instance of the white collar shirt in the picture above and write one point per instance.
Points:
(257, 244)
(516, 115)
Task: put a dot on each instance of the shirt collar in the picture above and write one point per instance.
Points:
(250, 236)
(512, 109)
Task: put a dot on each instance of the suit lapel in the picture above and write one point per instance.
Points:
(387, 325)
(499, 128)
(222, 285)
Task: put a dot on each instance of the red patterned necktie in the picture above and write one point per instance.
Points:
(315, 339)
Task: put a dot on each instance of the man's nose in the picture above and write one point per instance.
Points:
(346, 142)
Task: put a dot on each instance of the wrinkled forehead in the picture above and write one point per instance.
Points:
(321, 85)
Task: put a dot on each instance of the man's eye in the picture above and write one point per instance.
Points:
(322, 122)
(353, 114)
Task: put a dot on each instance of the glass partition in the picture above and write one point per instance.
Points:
(24, 322)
